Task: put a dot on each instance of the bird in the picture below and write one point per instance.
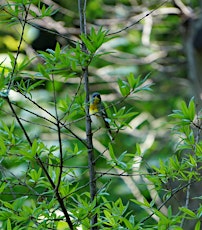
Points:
(98, 113)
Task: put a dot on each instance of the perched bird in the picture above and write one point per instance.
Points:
(98, 113)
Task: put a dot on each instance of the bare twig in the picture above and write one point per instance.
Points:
(137, 21)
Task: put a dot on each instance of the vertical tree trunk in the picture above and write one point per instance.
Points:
(193, 48)
(192, 35)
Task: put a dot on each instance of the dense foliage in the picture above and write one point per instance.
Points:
(50, 63)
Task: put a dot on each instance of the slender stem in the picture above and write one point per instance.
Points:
(24, 22)
(59, 135)
(89, 141)
(139, 20)
(169, 198)
(187, 197)
(50, 114)
(58, 197)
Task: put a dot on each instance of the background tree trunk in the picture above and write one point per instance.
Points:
(192, 34)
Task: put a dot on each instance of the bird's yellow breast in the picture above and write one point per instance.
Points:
(93, 108)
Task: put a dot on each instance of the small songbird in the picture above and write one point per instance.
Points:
(98, 113)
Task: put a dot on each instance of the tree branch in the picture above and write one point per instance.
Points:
(91, 163)
(59, 135)
(59, 198)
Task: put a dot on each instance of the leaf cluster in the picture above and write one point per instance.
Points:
(43, 149)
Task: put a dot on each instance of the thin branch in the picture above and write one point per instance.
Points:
(187, 197)
(139, 20)
(91, 163)
(38, 124)
(33, 113)
(59, 135)
(170, 197)
(188, 192)
(75, 95)
(59, 199)
(20, 182)
(122, 174)
(24, 22)
(50, 114)
(56, 6)
(46, 26)
(19, 122)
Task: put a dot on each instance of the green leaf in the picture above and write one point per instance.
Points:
(138, 150)
(139, 203)
(62, 225)
(34, 148)
(188, 112)
(32, 13)
(192, 110)
(7, 205)
(121, 157)
(198, 149)
(43, 71)
(8, 224)
(192, 161)
(129, 225)
(169, 212)
(188, 212)
(131, 80)
(110, 218)
(141, 84)
(47, 11)
(94, 40)
(146, 203)
(13, 61)
(124, 87)
(87, 43)
(111, 152)
(35, 175)
(57, 50)
(3, 148)
(18, 203)
(34, 85)
(24, 64)
(198, 225)
(161, 216)
(2, 186)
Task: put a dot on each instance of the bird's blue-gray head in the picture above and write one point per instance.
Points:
(96, 97)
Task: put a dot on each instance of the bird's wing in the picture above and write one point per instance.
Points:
(105, 117)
